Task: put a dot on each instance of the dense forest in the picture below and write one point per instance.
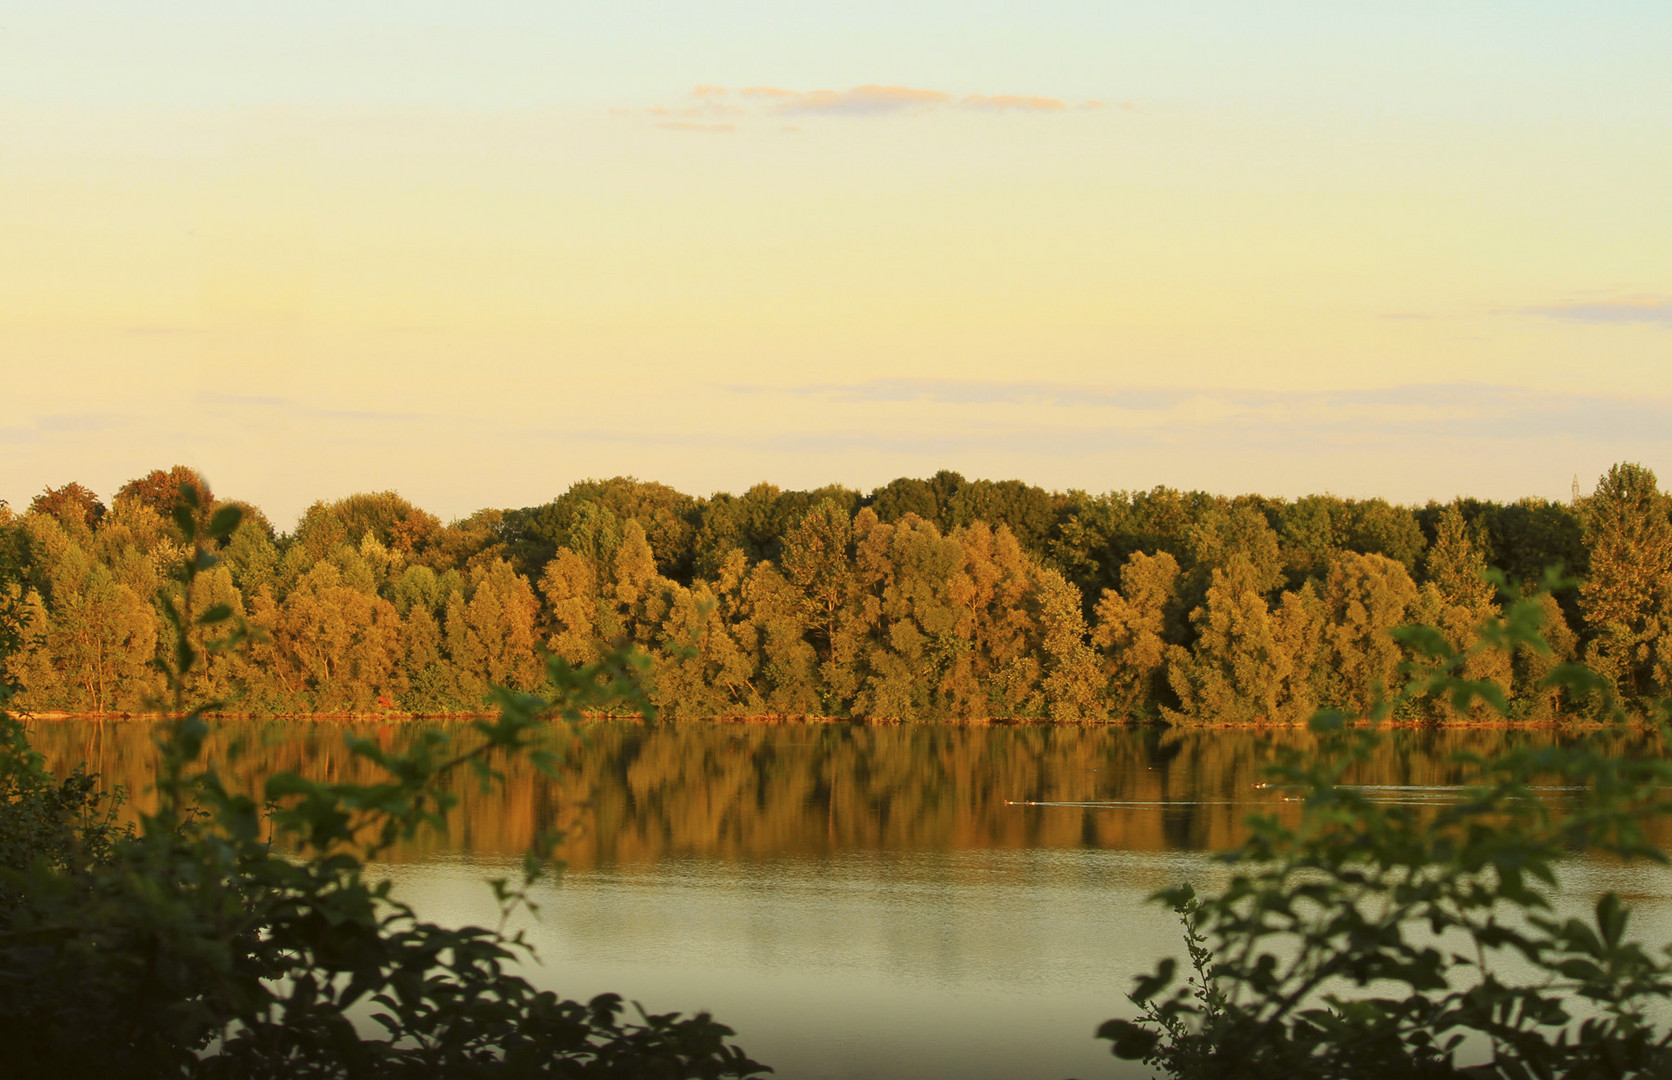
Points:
(937, 599)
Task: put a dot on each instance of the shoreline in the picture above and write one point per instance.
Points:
(397, 717)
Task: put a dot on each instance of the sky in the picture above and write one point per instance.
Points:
(477, 251)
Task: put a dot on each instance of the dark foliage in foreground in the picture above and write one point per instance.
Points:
(231, 937)
(1370, 940)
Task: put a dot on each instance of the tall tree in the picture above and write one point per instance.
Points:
(818, 560)
(1627, 600)
(328, 647)
(1235, 670)
(96, 639)
(491, 636)
(1365, 597)
(1131, 629)
(1455, 563)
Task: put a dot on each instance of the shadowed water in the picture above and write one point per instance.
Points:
(915, 901)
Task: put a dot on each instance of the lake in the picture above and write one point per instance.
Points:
(855, 900)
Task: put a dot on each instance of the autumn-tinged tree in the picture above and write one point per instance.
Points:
(1132, 631)
(1299, 625)
(1234, 671)
(1070, 673)
(94, 642)
(999, 674)
(421, 597)
(491, 636)
(1533, 699)
(160, 489)
(818, 560)
(944, 598)
(224, 674)
(70, 505)
(701, 670)
(636, 593)
(774, 637)
(570, 588)
(385, 515)
(327, 646)
(1627, 600)
(908, 567)
(471, 542)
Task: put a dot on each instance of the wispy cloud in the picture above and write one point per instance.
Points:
(41, 428)
(870, 100)
(1238, 417)
(1637, 310)
(699, 108)
(686, 125)
(296, 410)
(1000, 102)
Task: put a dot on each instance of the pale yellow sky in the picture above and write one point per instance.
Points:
(1103, 278)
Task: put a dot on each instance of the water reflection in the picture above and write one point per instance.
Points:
(633, 793)
(857, 901)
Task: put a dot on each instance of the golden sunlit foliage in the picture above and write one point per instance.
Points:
(937, 599)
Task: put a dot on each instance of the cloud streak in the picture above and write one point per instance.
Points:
(1242, 417)
(870, 100)
(1652, 312)
(1003, 102)
(704, 102)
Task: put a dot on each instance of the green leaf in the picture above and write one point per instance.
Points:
(216, 614)
(1148, 986)
(1325, 721)
(1131, 1042)
(225, 521)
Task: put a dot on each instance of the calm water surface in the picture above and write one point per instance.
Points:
(856, 901)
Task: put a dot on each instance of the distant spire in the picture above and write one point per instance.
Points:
(1574, 501)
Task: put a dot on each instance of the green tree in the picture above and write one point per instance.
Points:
(1365, 597)
(1375, 527)
(395, 523)
(234, 933)
(100, 636)
(1455, 563)
(666, 516)
(818, 560)
(1627, 600)
(1369, 939)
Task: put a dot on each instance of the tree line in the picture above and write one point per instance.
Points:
(936, 599)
